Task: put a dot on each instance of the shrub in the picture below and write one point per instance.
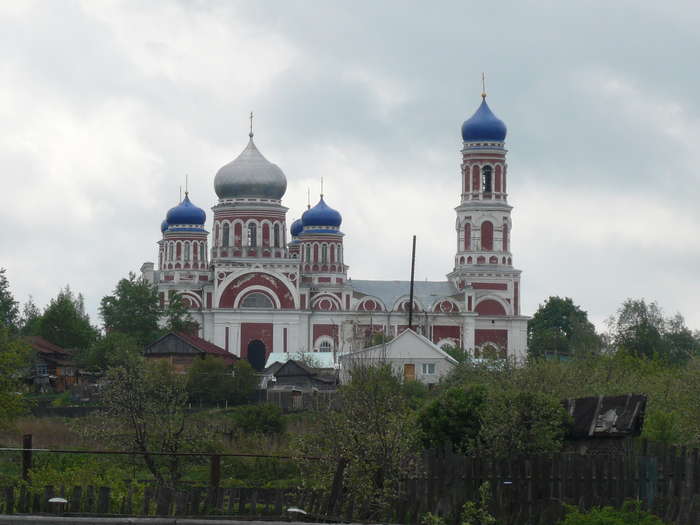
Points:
(629, 514)
(258, 419)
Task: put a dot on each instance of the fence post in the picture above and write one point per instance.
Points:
(26, 456)
(215, 471)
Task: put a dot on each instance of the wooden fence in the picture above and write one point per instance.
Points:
(526, 491)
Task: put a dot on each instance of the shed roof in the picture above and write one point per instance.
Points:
(181, 343)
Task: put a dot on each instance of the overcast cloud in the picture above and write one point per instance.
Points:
(105, 106)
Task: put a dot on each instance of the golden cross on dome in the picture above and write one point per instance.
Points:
(483, 85)
(321, 187)
(251, 125)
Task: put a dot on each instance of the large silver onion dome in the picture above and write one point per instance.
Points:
(250, 175)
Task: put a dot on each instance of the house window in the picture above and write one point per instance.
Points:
(41, 369)
(428, 369)
(325, 346)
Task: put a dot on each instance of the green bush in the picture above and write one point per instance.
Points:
(629, 514)
(257, 419)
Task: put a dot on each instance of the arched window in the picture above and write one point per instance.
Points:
(257, 300)
(475, 178)
(178, 250)
(486, 182)
(325, 346)
(467, 236)
(252, 235)
(216, 235)
(333, 253)
(276, 236)
(225, 238)
(324, 253)
(505, 237)
(202, 255)
(487, 235)
(187, 251)
(308, 253)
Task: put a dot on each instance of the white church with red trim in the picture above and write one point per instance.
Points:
(261, 288)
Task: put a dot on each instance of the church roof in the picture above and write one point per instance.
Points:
(424, 292)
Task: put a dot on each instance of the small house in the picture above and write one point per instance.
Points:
(180, 350)
(54, 369)
(411, 355)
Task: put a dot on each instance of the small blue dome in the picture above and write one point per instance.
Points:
(484, 126)
(296, 227)
(321, 215)
(164, 226)
(186, 213)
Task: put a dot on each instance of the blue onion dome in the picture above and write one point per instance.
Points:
(322, 215)
(186, 213)
(296, 228)
(484, 126)
(250, 175)
(164, 225)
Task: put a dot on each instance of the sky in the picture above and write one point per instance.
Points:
(106, 106)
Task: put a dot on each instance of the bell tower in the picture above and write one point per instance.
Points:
(483, 264)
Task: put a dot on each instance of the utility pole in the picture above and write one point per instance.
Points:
(413, 269)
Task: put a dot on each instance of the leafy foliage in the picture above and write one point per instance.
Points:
(522, 423)
(65, 323)
(642, 330)
(145, 411)
(211, 381)
(114, 349)
(14, 358)
(133, 309)
(457, 353)
(257, 419)
(374, 432)
(477, 512)
(453, 419)
(561, 328)
(629, 514)
(30, 319)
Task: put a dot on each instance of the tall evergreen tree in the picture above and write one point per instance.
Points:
(65, 322)
(9, 311)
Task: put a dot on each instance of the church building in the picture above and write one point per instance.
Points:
(257, 286)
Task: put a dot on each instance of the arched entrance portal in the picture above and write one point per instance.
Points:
(256, 354)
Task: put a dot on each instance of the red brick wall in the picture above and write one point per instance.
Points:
(499, 337)
(228, 298)
(330, 330)
(252, 331)
(490, 307)
(445, 332)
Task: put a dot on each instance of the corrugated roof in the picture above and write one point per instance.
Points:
(424, 292)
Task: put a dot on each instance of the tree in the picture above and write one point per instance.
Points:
(178, 318)
(522, 423)
(133, 309)
(65, 323)
(211, 381)
(113, 349)
(372, 438)
(15, 357)
(561, 328)
(30, 320)
(641, 329)
(145, 411)
(453, 419)
(9, 312)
